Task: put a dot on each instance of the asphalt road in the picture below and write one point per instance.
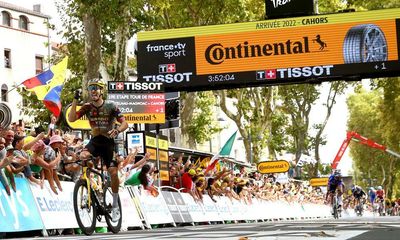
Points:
(355, 228)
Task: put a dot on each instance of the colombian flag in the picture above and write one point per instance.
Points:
(48, 85)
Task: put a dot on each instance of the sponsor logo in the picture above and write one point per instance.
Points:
(267, 74)
(169, 78)
(282, 73)
(170, 50)
(278, 3)
(134, 86)
(167, 68)
(217, 53)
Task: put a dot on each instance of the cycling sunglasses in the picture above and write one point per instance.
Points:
(93, 88)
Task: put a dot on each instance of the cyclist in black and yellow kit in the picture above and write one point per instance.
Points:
(102, 115)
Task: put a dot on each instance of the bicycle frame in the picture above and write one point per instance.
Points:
(334, 203)
(85, 171)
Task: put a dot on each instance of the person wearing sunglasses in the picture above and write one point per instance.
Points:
(101, 114)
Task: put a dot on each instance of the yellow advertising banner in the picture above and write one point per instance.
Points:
(82, 123)
(164, 175)
(153, 153)
(273, 167)
(316, 182)
(316, 45)
(286, 23)
(305, 49)
(145, 117)
(151, 142)
(163, 155)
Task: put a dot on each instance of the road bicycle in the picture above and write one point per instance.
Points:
(359, 209)
(336, 212)
(381, 207)
(93, 200)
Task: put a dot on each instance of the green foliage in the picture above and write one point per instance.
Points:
(203, 125)
(373, 115)
(297, 103)
(373, 4)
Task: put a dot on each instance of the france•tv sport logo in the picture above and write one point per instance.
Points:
(167, 68)
(266, 74)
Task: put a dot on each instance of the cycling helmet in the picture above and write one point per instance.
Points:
(372, 188)
(96, 81)
(380, 188)
(337, 173)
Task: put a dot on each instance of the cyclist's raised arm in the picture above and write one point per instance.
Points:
(72, 117)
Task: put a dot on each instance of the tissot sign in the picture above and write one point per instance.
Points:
(282, 8)
(281, 51)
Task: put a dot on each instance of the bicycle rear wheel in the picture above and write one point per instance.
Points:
(114, 226)
(85, 213)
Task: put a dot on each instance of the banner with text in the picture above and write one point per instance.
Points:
(282, 51)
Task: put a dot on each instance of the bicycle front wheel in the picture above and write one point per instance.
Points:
(114, 225)
(85, 211)
(335, 207)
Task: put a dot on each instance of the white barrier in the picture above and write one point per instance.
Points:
(56, 211)
(196, 210)
(130, 216)
(155, 209)
(211, 210)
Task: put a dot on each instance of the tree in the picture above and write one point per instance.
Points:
(335, 89)
(251, 109)
(96, 42)
(175, 14)
(297, 103)
(371, 115)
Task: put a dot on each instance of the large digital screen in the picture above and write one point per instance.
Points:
(281, 51)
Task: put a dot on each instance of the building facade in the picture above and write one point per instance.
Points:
(24, 48)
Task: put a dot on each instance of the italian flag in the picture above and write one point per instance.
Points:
(224, 152)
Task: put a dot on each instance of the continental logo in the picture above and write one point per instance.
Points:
(273, 167)
(217, 53)
(319, 182)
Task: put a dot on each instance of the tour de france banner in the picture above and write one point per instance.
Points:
(280, 51)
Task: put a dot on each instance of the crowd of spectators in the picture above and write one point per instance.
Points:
(37, 155)
(50, 155)
(196, 179)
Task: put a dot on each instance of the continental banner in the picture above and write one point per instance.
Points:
(316, 182)
(281, 51)
(280, 166)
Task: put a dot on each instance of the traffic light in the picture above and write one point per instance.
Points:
(172, 109)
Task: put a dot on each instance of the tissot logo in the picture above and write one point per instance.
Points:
(167, 68)
(267, 74)
(282, 73)
(278, 3)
